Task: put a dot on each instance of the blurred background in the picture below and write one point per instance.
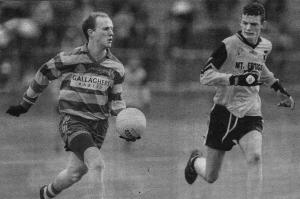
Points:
(169, 39)
(163, 45)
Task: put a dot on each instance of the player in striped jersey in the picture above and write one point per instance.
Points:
(237, 69)
(90, 92)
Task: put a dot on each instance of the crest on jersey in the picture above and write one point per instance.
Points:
(253, 52)
(239, 52)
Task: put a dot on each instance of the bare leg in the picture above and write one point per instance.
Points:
(251, 145)
(208, 168)
(72, 174)
(95, 163)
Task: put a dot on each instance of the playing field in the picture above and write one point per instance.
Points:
(152, 168)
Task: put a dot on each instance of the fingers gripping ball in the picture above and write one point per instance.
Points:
(131, 123)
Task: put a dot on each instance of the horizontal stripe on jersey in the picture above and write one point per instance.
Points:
(115, 97)
(86, 115)
(31, 93)
(84, 107)
(117, 88)
(29, 99)
(83, 97)
(117, 105)
(38, 88)
(49, 73)
(85, 83)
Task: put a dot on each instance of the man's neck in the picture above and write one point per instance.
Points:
(96, 52)
(252, 41)
(249, 42)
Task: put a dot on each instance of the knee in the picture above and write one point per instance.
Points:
(211, 178)
(93, 159)
(77, 173)
(97, 164)
(254, 159)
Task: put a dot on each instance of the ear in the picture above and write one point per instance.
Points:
(264, 24)
(90, 32)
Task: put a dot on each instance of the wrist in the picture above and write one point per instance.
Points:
(25, 104)
(278, 87)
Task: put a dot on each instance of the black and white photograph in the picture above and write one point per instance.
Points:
(149, 99)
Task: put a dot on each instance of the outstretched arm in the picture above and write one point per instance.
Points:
(48, 72)
(209, 74)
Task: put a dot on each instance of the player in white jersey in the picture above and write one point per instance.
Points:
(237, 69)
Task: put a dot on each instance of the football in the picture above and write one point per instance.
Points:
(131, 123)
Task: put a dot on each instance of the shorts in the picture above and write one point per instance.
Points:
(87, 132)
(225, 130)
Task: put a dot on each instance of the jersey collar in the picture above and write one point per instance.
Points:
(107, 56)
(244, 40)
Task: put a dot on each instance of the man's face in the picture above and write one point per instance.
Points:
(251, 27)
(103, 33)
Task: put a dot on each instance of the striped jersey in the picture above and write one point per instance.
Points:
(237, 56)
(90, 89)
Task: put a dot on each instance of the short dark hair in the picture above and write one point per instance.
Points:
(255, 9)
(90, 22)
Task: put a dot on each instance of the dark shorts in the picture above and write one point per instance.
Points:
(222, 135)
(79, 133)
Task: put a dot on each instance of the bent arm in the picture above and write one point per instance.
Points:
(210, 74)
(116, 102)
(212, 77)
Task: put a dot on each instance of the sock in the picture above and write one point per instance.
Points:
(50, 191)
(200, 166)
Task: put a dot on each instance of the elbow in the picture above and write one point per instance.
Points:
(203, 81)
(205, 77)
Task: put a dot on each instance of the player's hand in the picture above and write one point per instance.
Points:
(132, 139)
(16, 110)
(288, 102)
(246, 79)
